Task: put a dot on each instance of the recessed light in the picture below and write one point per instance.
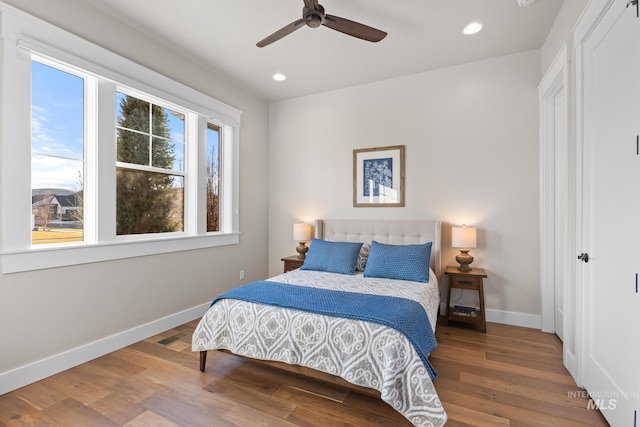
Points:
(472, 28)
(279, 77)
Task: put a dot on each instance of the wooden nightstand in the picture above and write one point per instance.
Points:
(466, 280)
(292, 262)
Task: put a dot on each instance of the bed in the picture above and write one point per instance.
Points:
(356, 344)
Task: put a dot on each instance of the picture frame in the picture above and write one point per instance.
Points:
(378, 176)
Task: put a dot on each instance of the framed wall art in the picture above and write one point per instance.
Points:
(378, 176)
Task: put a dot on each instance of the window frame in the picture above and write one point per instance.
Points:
(22, 37)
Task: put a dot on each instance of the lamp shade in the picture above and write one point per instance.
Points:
(463, 237)
(301, 232)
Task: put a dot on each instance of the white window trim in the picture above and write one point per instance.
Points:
(22, 34)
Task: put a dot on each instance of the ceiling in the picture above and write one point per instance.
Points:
(422, 35)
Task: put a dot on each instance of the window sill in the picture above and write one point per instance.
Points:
(62, 256)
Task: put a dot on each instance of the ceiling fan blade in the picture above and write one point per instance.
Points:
(284, 31)
(311, 4)
(353, 28)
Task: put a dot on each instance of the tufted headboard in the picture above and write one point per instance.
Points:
(390, 232)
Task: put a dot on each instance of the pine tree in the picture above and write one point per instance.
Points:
(146, 202)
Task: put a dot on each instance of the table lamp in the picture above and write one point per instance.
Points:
(302, 234)
(465, 238)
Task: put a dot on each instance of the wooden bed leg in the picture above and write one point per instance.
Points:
(203, 360)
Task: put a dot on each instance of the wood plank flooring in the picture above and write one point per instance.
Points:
(509, 376)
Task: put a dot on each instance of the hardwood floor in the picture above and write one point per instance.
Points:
(508, 376)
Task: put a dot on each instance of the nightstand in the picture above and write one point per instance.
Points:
(471, 280)
(292, 262)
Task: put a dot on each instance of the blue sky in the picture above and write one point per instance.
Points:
(56, 128)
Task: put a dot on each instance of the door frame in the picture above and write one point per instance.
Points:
(554, 186)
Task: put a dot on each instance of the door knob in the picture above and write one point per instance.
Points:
(584, 257)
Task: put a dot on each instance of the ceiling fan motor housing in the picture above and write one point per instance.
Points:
(313, 18)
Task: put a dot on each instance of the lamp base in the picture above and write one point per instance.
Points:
(302, 250)
(464, 259)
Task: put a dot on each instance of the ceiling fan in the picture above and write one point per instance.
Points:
(313, 16)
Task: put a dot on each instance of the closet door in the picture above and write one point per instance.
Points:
(611, 214)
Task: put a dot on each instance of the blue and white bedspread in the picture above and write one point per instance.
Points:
(363, 352)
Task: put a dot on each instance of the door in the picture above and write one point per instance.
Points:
(611, 215)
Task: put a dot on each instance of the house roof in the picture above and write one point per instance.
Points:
(70, 201)
(64, 200)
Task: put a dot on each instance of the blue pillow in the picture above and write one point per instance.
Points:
(334, 257)
(404, 262)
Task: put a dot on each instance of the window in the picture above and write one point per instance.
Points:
(150, 167)
(122, 161)
(213, 177)
(57, 154)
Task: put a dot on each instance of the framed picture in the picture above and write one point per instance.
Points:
(378, 176)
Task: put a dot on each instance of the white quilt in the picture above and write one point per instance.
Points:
(363, 353)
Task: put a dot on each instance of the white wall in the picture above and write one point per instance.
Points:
(471, 136)
(44, 313)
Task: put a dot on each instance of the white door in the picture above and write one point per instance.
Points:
(611, 215)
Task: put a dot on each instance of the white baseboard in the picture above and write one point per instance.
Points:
(27, 374)
(508, 317)
(513, 318)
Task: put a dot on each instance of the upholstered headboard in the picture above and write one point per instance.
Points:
(390, 232)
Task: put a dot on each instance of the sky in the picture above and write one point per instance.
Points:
(56, 128)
